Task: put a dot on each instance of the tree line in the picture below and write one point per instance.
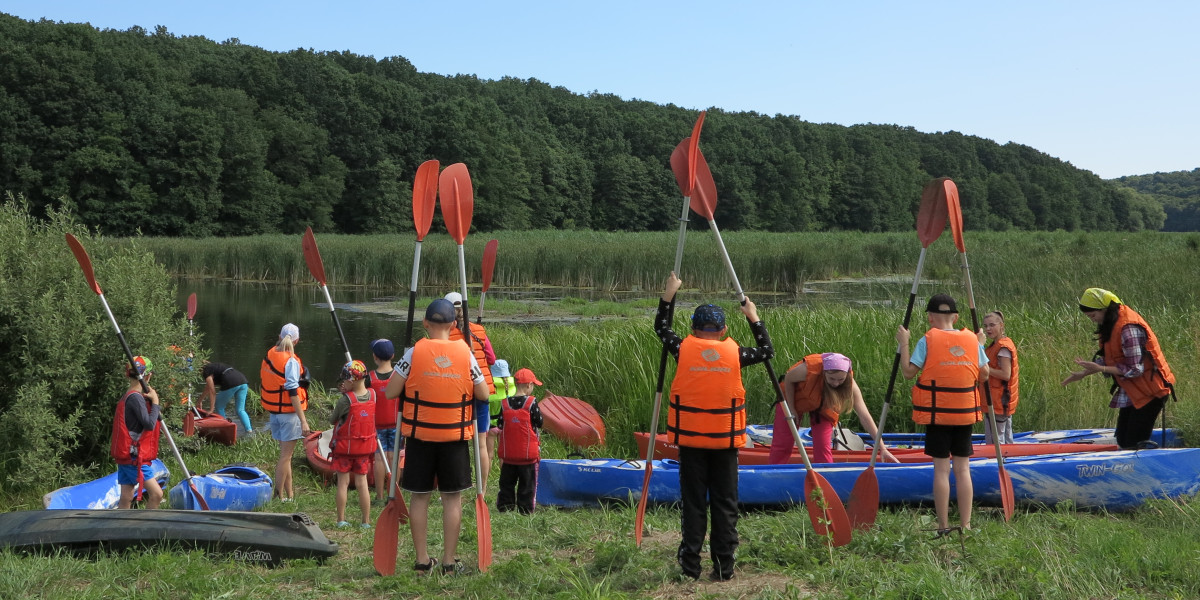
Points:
(1178, 192)
(141, 130)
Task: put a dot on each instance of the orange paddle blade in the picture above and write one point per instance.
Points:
(387, 537)
(694, 153)
(955, 211)
(483, 528)
(679, 166)
(191, 306)
(312, 256)
(489, 262)
(931, 218)
(85, 262)
(425, 185)
(639, 522)
(704, 195)
(863, 504)
(457, 200)
(189, 423)
(825, 509)
(1007, 501)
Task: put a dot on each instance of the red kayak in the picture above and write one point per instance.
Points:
(573, 420)
(758, 455)
(316, 449)
(213, 427)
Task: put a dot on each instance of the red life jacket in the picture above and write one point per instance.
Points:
(945, 390)
(1157, 379)
(439, 396)
(385, 408)
(708, 402)
(355, 436)
(121, 448)
(518, 440)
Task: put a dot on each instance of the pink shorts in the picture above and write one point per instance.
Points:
(359, 465)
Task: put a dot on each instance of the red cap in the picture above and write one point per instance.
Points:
(526, 376)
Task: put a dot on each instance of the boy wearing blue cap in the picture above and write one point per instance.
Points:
(706, 418)
(383, 351)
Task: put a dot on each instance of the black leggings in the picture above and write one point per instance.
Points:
(1137, 424)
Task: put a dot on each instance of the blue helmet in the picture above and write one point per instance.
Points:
(708, 317)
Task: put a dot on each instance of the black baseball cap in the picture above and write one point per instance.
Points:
(941, 304)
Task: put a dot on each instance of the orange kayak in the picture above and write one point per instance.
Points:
(573, 420)
(758, 455)
(215, 428)
(316, 450)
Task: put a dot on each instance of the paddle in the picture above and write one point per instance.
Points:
(684, 168)
(189, 418)
(1007, 501)
(489, 265)
(863, 504)
(458, 205)
(825, 508)
(387, 526)
(85, 263)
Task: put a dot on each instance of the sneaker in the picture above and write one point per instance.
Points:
(454, 569)
(285, 499)
(343, 524)
(365, 526)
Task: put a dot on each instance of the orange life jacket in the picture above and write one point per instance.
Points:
(809, 395)
(385, 408)
(275, 399)
(355, 436)
(477, 331)
(1003, 393)
(126, 450)
(1157, 379)
(439, 396)
(945, 393)
(708, 402)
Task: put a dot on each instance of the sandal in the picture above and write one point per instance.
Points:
(424, 568)
(941, 533)
(455, 568)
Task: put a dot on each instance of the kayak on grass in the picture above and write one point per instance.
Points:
(762, 434)
(255, 537)
(760, 455)
(1116, 480)
(235, 487)
(213, 427)
(101, 493)
(573, 420)
(316, 450)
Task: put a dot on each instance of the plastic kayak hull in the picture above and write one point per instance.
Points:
(316, 450)
(102, 493)
(235, 487)
(761, 434)
(573, 420)
(1116, 481)
(256, 537)
(215, 428)
(760, 455)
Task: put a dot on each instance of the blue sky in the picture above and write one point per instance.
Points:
(1108, 86)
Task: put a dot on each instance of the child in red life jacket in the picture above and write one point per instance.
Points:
(383, 352)
(135, 433)
(354, 439)
(519, 448)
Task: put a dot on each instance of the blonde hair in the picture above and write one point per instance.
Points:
(285, 344)
(839, 399)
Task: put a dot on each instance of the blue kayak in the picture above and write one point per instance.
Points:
(104, 492)
(762, 434)
(1116, 481)
(240, 487)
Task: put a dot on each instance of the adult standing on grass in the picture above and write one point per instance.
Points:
(706, 418)
(353, 444)
(950, 363)
(135, 432)
(485, 356)
(440, 386)
(233, 385)
(383, 352)
(823, 386)
(1003, 379)
(284, 395)
(1130, 354)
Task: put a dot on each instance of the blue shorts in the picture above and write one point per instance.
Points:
(127, 474)
(483, 416)
(285, 427)
(387, 439)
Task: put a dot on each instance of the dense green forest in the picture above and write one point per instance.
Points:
(182, 136)
(1179, 193)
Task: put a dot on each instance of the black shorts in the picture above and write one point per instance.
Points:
(944, 441)
(447, 462)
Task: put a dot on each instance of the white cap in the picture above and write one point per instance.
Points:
(455, 298)
(290, 330)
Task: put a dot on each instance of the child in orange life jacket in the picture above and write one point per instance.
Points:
(135, 433)
(353, 443)
(706, 418)
(1004, 379)
(383, 351)
(951, 362)
(519, 448)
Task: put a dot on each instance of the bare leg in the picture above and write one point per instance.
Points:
(126, 500)
(283, 471)
(364, 497)
(154, 493)
(418, 522)
(343, 483)
(966, 489)
(451, 524)
(381, 490)
(941, 491)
